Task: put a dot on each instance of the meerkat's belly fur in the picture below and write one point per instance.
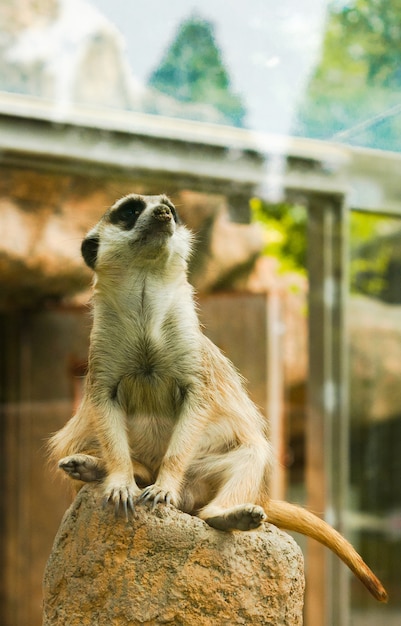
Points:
(165, 416)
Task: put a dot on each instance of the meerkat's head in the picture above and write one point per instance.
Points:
(136, 231)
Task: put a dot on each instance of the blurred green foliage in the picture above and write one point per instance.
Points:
(192, 70)
(285, 232)
(358, 78)
(374, 242)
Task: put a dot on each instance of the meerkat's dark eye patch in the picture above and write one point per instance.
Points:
(89, 249)
(127, 213)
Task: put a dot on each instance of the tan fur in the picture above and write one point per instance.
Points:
(163, 408)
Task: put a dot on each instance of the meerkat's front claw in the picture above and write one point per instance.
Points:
(122, 497)
(156, 494)
(131, 505)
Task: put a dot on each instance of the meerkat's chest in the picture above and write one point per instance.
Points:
(149, 437)
(148, 389)
(152, 348)
(152, 401)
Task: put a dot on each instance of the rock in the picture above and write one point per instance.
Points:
(46, 215)
(46, 51)
(166, 567)
(225, 252)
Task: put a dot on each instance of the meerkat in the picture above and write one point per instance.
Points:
(165, 417)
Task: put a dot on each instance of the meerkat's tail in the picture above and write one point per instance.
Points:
(293, 517)
(62, 442)
(71, 439)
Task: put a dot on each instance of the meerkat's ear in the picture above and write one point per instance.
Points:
(89, 248)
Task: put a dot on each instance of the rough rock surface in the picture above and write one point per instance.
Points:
(165, 567)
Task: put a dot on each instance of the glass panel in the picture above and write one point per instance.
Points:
(327, 69)
(374, 522)
(321, 69)
(285, 259)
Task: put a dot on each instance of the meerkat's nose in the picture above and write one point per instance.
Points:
(162, 213)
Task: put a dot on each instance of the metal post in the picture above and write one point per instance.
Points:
(275, 392)
(327, 427)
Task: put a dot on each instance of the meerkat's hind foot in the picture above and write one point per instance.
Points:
(243, 517)
(83, 467)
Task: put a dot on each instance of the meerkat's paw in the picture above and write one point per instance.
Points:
(120, 493)
(83, 467)
(156, 494)
(243, 517)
